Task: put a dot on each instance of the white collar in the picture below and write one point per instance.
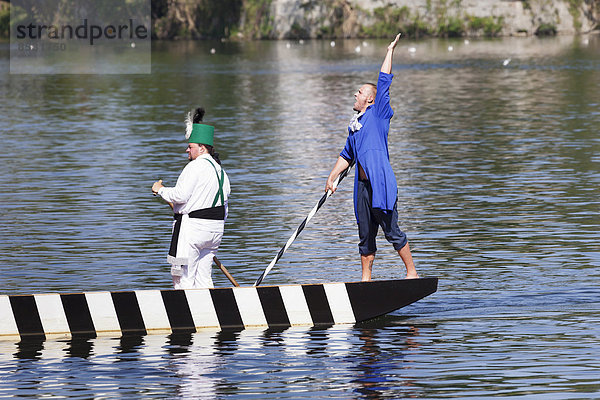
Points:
(354, 124)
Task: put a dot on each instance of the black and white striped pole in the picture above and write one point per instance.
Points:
(341, 176)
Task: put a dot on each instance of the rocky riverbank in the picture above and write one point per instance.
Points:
(305, 19)
(312, 19)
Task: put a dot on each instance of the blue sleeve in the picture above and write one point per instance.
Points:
(348, 153)
(382, 106)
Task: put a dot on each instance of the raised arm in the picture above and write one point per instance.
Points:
(386, 67)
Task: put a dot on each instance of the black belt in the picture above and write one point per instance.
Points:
(214, 213)
(217, 213)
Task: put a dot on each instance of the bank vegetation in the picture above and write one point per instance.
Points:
(310, 19)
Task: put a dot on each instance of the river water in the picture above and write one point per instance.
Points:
(498, 169)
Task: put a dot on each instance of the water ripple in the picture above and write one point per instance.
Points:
(498, 175)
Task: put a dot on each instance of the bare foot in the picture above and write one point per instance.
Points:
(412, 276)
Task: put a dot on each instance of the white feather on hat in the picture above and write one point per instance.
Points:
(189, 125)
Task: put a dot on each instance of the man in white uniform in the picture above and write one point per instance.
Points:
(199, 201)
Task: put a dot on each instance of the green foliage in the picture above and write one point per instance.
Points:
(4, 21)
(216, 18)
(331, 24)
(251, 19)
(390, 21)
(183, 31)
(297, 31)
(417, 28)
(574, 7)
(266, 27)
(325, 32)
(476, 23)
(48, 13)
(546, 30)
(490, 26)
(258, 24)
(451, 27)
(159, 8)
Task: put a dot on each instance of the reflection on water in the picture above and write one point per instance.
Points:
(391, 357)
(499, 176)
(338, 361)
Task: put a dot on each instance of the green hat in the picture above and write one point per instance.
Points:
(202, 134)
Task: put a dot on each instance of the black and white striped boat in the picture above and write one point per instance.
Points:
(164, 311)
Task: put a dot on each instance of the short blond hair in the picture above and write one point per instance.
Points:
(372, 88)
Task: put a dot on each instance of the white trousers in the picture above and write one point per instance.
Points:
(197, 274)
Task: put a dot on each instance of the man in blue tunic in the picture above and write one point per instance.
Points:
(375, 187)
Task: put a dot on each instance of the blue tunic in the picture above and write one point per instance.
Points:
(368, 147)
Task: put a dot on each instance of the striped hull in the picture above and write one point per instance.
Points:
(158, 311)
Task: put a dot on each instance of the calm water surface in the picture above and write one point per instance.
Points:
(499, 192)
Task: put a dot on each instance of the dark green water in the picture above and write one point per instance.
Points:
(498, 169)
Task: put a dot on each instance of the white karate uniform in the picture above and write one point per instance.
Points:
(199, 239)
